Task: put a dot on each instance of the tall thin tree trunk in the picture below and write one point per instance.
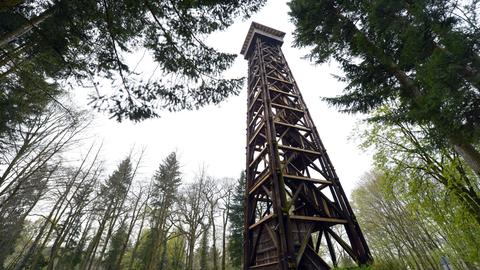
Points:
(224, 245)
(214, 244)
(26, 27)
(129, 232)
(135, 247)
(191, 248)
(163, 259)
(465, 150)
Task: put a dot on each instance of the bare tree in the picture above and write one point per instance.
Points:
(227, 188)
(213, 195)
(34, 143)
(192, 213)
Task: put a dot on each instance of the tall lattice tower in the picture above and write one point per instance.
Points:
(296, 213)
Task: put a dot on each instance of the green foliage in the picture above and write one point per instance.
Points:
(176, 252)
(419, 57)
(419, 204)
(235, 240)
(118, 183)
(88, 41)
(140, 259)
(166, 182)
(407, 150)
(115, 248)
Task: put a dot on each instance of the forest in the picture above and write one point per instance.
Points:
(411, 67)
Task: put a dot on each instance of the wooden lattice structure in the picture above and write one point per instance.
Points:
(296, 213)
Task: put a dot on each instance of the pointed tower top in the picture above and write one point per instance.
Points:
(260, 29)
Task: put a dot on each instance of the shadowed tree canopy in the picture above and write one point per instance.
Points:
(419, 57)
(45, 44)
(235, 241)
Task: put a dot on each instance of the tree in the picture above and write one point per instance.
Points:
(112, 196)
(212, 195)
(235, 240)
(45, 43)
(407, 149)
(412, 227)
(420, 57)
(203, 249)
(191, 217)
(176, 252)
(226, 200)
(419, 203)
(14, 213)
(35, 143)
(164, 193)
(30, 159)
(115, 250)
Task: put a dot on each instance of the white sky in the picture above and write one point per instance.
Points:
(215, 135)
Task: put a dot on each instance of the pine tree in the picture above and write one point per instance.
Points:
(235, 241)
(45, 43)
(115, 248)
(419, 57)
(112, 197)
(164, 194)
(203, 249)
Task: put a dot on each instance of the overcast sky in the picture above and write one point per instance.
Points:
(215, 135)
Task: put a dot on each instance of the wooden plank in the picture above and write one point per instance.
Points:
(278, 79)
(257, 158)
(286, 107)
(299, 149)
(283, 92)
(307, 179)
(255, 118)
(263, 265)
(292, 126)
(264, 219)
(259, 183)
(255, 100)
(262, 125)
(319, 219)
(304, 243)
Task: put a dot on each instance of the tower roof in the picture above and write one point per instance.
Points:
(260, 29)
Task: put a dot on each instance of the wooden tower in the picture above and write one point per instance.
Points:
(296, 213)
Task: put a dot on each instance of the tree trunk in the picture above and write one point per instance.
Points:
(214, 240)
(26, 27)
(163, 259)
(191, 248)
(139, 235)
(466, 151)
(224, 245)
(92, 247)
(130, 229)
(470, 155)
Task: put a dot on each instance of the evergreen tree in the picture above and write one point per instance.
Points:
(164, 194)
(44, 43)
(235, 240)
(418, 56)
(115, 248)
(112, 197)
